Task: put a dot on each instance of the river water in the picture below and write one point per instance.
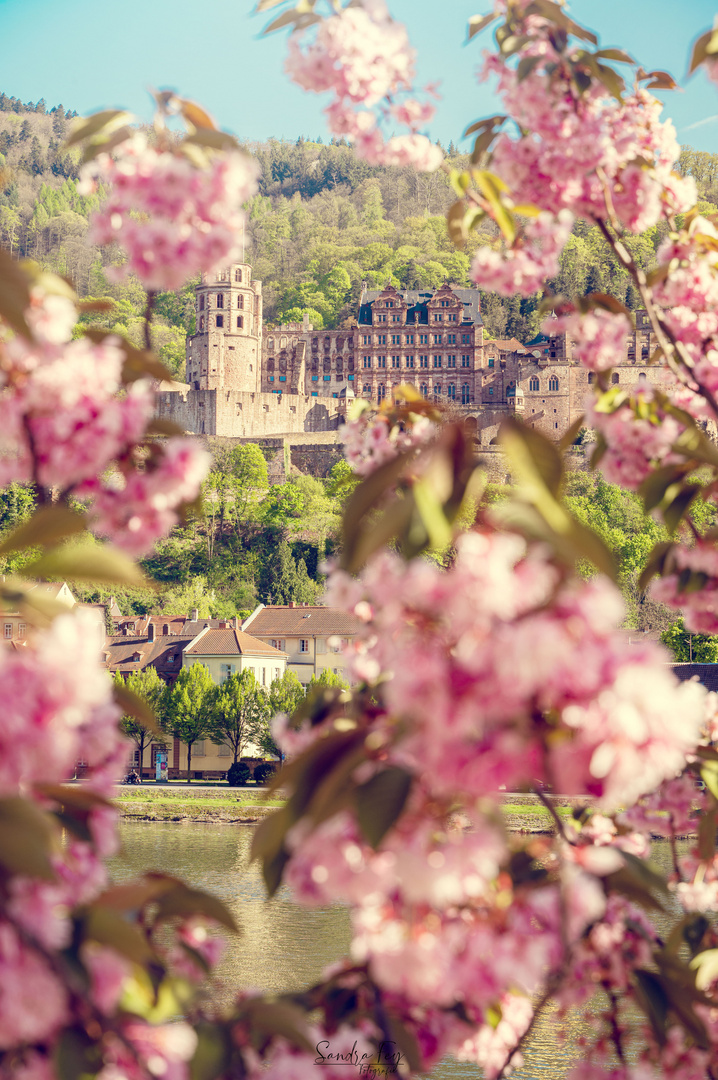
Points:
(284, 946)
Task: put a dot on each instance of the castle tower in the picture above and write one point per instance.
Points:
(225, 352)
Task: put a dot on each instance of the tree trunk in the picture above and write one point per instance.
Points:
(189, 763)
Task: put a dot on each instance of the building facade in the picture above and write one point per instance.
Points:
(311, 636)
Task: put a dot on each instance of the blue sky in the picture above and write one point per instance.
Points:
(90, 55)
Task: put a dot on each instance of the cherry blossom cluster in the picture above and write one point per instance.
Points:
(69, 422)
(599, 336)
(372, 439)
(524, 267)
(690, 583)
(363, 57)
(172, 218)
(450, 640)
(635, 444)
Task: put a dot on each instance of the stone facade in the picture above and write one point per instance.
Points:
(292, 382)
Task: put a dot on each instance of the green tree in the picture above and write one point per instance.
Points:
(325, 679)
(286, 694)
(690, 648)
(240, 713)
(191, 708)
(149, 686)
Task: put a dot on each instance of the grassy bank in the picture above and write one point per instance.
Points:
(232, 805)
(248, 805)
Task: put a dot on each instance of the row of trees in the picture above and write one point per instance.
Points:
(236, 713)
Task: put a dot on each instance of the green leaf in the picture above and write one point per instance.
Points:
(654, 1002)
(679, 505)
(478, 22)
(661, 80)
(380, 802)
(80, 798)
(569, 436)
(532, 456)
(705, 46)
(615, 54)
(455, 223)
(431, 512)
(14, 294)
(77, 1056)
(108, 927)
(106, 146)
(555, 14)
(709, 776)
(611, 80)
(159, 426)
(46, 526)
(26, 839)
(482, 144)
(277, 1018)
(210, 139)
(481, 125)
(526, 65)
(655, 564)
(182, 901)
(707, 833)
(87, 562)
(653, 489)
(460, 181)
(101, 122)
(135, 706)
(705, 964)
(214, 1046)
(491, 187)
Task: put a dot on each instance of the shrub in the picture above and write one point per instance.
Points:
(264, 772)
(238, 774)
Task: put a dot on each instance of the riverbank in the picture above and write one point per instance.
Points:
(233, 806)
(246, 806)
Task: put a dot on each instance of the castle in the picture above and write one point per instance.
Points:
(245, 383)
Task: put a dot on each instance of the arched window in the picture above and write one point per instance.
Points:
(201, 324)
(270, 364)
(270, 343)
(553, 383)
(240, 300)
(327, 364)
(240, 322)
(614, 378)
(201, 302)
(237, 275)
(533, 383)
(424, 389)
(451, 392)
(366, 388)
(437, 391)
(641, 375)
(591, 376)
(465, 394)
(282, 343)
(381, 392)
(220, 299)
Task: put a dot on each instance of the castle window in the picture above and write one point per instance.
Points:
(614, 377)
(590, 376)
(270, 343)
(410, 339)
(240, 322)
(437, 339)
(423, 339)
(270, 364)
(451, 392)
(240, 301)
(410, 361)
(465, 394)
(465, 339)
(201, 302)
(437, 361)
(437, 391)
(438, 317)
(395, 362)
(282, 343)
(424, 361)
(491, 391)
(380, 393)
(390, 303)
(424, 389)
(219, 321)
(201, 325)
(451, 361)
(465, 361)
(220, 299)
(237, 275)
(367, 361)
(553, 383)
(491, 361)
(381, 361)
(533, 384)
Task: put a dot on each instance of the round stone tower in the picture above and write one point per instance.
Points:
(225, 352)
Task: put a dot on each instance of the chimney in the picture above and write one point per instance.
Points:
(195, 614)
(236, 622)
(291, 604)
(150, 631)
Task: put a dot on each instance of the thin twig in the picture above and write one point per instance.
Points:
(552, 811)
(43, 495)
(551, 988)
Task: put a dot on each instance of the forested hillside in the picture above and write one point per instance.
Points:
(321, 224)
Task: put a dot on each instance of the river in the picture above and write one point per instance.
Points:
(284, 946)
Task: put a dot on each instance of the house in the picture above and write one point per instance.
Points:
(312, 636)
(218, 644)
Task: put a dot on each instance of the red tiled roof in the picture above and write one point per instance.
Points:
(155, 653)
(230, 643)
(276, 620)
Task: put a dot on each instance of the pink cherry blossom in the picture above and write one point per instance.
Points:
(524, 267)
(171, 217)
(699, 606)
(599, 336)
